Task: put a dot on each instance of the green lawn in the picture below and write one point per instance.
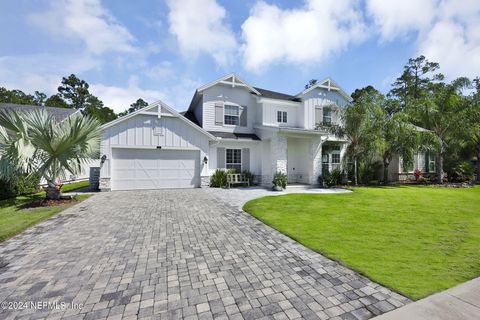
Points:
(416, 240)
(14, 219)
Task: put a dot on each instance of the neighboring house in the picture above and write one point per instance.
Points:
(423, 161)
(228, 125)
(59, 114)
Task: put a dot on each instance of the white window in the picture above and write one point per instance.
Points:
(431, 163)
(234, 159)
(232, 115)
(335, 158)
(327, 116)
(282, 116)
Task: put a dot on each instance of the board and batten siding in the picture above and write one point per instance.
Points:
(320, 97)
(227, 95)
(139, 132)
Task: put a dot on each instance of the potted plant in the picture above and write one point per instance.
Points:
(279, 181)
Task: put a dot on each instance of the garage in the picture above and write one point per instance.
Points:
(153, 148)
(155, 169)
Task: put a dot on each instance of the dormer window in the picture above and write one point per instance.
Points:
(327, 116)
(232, 115)
(282, 116)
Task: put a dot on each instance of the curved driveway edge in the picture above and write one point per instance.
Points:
(170, 254)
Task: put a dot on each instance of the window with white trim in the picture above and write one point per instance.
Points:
(232, 115)
(233, 159)
(327, 115)
(335, 158)
(282, 116)
(431, 163)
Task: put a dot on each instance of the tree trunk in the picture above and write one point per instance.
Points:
(386, 163)
(478, 161)
(52, 191)
(355, 178)
(440, 166)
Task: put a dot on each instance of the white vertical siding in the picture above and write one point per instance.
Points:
(320, 98)
(138, 132)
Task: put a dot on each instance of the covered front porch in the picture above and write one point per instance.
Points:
(303, 155)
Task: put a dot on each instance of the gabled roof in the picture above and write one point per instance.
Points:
(162, 106)
(329, 84)
(276, 95)
(230, 79)
(59, 114)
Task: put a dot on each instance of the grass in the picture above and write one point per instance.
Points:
(14, 219)
(416, 240)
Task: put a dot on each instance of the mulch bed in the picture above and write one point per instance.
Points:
(47, 203)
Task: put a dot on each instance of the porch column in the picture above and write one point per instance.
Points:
(343, 151)
(278, 146)
(316, 159)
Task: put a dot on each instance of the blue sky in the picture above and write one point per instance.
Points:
(164, 49)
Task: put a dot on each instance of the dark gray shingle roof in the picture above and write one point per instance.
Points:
(233, 135)
(190, 116)
(58, 113)
(276, 95)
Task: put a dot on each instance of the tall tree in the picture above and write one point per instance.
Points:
(56, 101)
(139, 104)
(441, 110)
(74, 91)
(16, 96)
(415, 79)
(40, 98)
(358, 127)
(97, 110)
(311, 83)
(473, 121)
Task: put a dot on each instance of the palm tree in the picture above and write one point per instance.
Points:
(35, 143)
(441, 111)
(358, 128)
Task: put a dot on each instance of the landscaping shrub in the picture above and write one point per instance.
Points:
(218, 179)
(18, 185)
(249, 176)
(334, 178)
(422, 180)
(464, 171)
(280, 180)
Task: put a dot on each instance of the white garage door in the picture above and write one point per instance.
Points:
(155, 169)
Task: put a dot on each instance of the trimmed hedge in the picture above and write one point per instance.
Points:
(17, 186)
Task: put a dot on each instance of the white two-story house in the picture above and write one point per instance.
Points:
(228, 125)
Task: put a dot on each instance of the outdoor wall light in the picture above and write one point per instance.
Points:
(205, 159)
(103, 158)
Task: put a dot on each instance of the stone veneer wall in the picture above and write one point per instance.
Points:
(104, 184)
(204, 181)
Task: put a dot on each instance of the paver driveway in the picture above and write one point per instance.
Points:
(176, 254)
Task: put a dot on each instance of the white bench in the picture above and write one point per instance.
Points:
(237, 178)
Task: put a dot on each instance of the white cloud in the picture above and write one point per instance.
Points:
(42, 72)
(306, 35)
(448, 31)
(396, 18)
(120, 98)
(199, 27)
(86, 20)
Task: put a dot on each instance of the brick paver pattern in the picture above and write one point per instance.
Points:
(176, 254)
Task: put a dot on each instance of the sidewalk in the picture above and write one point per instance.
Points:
(459, 303)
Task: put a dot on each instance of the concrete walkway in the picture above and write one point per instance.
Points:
(459, 303)
(237, 197)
